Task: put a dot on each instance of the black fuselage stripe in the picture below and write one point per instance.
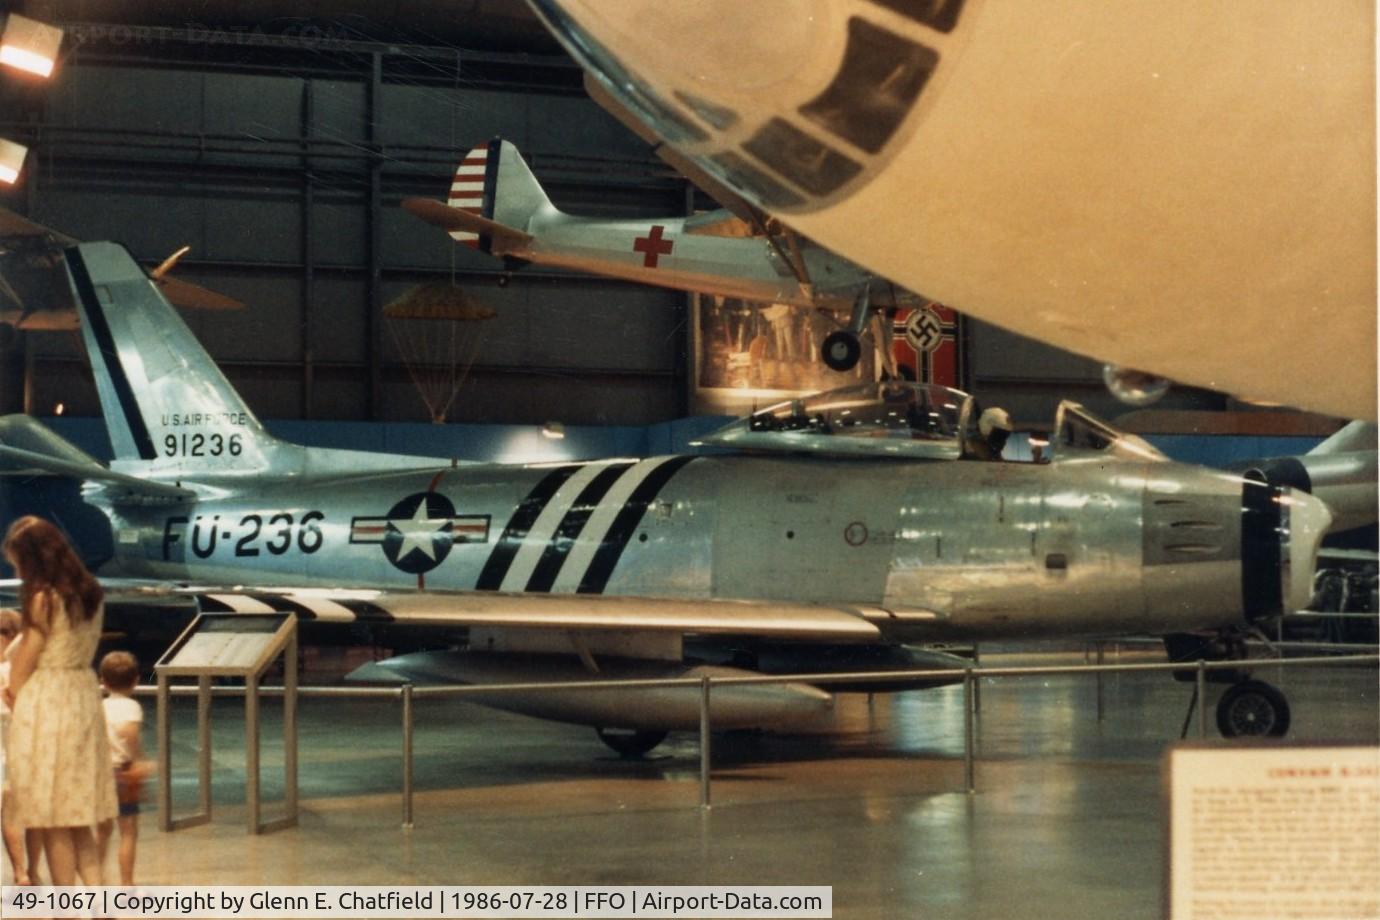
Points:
(1262, 593)
(605, 560)
(558, 548)
(524, 516)
(105, 341)
(486, 243)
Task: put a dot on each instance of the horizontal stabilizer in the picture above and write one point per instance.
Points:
(190, 296)
(504, 238)
(561, 612)
(28, 448)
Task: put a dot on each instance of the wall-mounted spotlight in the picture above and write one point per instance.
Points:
(30, 45)
(553, 430)
(11, 160)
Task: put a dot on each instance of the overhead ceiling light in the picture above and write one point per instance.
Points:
(553, 430)
(11, 160)
(30, 45)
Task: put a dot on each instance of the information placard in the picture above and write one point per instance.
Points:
(230, 644)
(1273, 832)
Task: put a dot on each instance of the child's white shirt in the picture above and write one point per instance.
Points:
(120, 710)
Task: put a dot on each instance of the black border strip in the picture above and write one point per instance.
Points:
(110, 356)
(524, 516)
(563, 540)
(486, 243)
(1262, 591)
(606, 558)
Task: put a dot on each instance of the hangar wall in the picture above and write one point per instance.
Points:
(283, 172)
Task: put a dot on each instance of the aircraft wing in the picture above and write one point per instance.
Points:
(583, 612)
(439, 214)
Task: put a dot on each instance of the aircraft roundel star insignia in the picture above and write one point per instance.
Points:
(418, 532)
(924, 330)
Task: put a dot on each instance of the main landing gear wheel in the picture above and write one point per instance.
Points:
(841, 350)
(1252, 709)
(630, 743)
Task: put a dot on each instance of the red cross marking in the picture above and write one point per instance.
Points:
(653, 246)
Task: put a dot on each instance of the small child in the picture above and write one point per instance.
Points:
(123, 719)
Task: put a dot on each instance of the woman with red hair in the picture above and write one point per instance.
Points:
(58, 757)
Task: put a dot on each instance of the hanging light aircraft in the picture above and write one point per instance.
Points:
(34, 294)
(497, 205)
(829, 534)
(1184, 188)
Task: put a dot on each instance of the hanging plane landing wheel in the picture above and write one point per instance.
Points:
(841, 350)
(630, 743)
(1252, 709)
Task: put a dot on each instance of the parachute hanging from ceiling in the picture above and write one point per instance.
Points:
(437, 329)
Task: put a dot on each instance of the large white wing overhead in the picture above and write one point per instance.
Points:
(1081, 172)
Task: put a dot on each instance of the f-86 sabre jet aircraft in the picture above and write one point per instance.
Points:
(497, 206)
(827, 535)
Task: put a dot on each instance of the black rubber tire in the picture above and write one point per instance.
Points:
(1252, 709)
(841, 350)
(630, 743)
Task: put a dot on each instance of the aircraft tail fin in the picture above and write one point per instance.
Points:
(165, 402)
(1353, 436)
(495, 183)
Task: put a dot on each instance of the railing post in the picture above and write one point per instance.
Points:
(977, 687)
(704, 741)
(1202, 698)
(968, 772)
(407, 756)
(1101, 648)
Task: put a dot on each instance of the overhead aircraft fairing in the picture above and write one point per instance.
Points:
(1184, 188)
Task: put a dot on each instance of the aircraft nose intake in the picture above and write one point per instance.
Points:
(1306, 521)
(1281, 530)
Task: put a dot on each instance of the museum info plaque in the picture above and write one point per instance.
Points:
(1273, 832)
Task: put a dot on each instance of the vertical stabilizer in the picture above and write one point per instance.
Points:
(165, 402)
(494, 182)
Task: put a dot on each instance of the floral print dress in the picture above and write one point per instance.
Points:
(58, 758)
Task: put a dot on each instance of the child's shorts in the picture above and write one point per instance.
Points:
(129, 785)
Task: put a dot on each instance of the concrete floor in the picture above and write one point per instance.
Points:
(1066, 821)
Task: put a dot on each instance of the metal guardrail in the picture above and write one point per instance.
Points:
(409, 693)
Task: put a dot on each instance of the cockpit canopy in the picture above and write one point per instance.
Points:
(1077, 431)
(909, 420)
(899, 419)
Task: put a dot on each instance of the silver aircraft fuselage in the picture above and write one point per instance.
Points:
(943, 549)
